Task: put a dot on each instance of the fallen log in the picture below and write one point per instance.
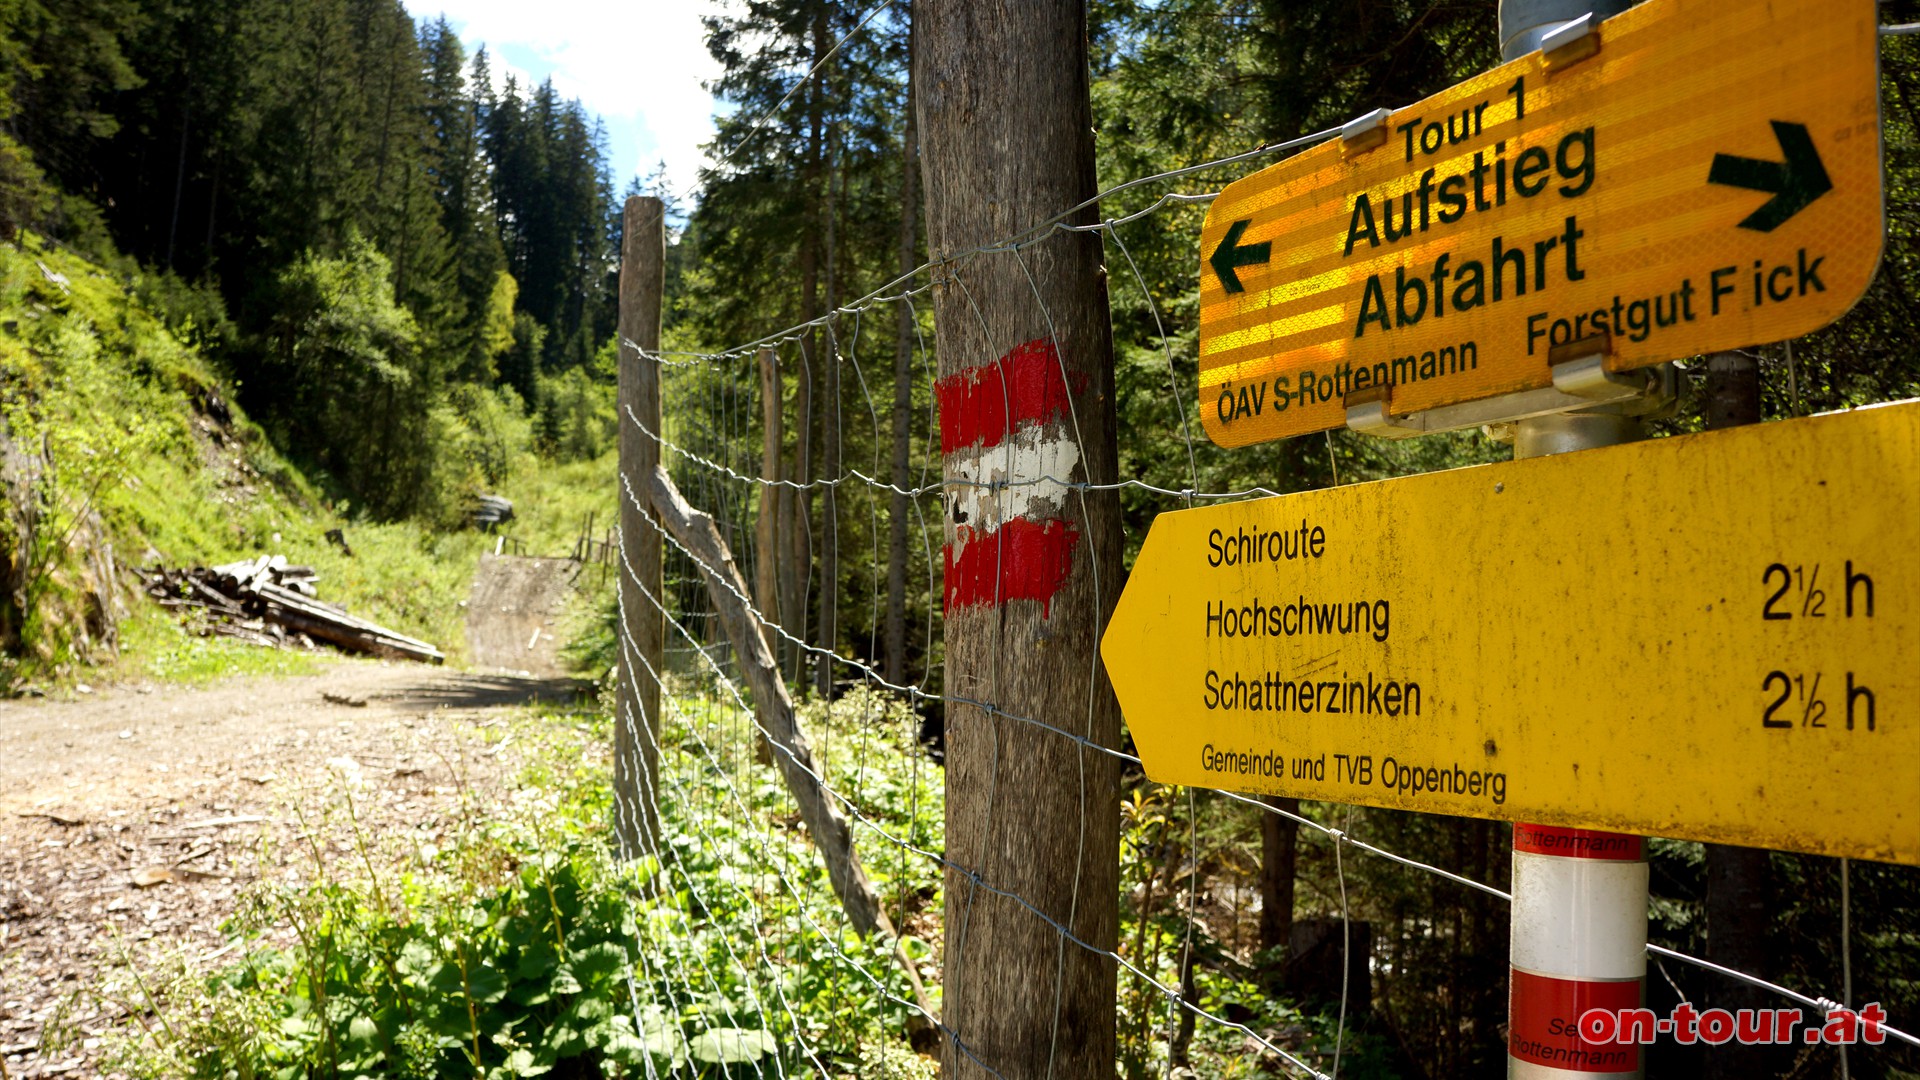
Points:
(215, 598)
(354, 638)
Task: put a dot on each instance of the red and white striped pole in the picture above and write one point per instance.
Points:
(1579, 943)
(1579, 895)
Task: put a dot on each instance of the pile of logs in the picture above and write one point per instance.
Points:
(491, 512)
(267, 602)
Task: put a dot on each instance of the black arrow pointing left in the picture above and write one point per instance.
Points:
(1231, 255)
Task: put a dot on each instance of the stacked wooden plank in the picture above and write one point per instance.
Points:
(268, 602)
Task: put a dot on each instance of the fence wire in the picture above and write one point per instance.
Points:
(717, 802)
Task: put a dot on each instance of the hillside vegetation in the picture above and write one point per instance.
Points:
(123, 449)
(277, 270)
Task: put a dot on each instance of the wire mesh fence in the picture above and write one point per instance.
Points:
(749, 958)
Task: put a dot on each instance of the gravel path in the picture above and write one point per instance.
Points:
(131, 818)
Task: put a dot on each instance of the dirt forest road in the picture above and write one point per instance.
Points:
(132, 818)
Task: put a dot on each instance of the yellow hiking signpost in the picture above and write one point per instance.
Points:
(1707, 636)
(1709, 178)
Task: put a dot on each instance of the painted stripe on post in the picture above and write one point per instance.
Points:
(1544, 1024)
(1022, 560)
(1005, 422)
(1031, 452)
(1577, 843)
(1579, 918)
(983, 406)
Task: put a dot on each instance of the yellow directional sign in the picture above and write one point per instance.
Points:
(1709, 178)
(1713, 636)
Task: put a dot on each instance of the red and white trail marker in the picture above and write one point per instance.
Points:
(1007, 440)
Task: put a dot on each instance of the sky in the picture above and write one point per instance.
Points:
(638, 65)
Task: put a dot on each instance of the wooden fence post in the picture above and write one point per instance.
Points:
(774, 714)
(773, 501)
(796, 571)
(1032, 568)
(636, 728)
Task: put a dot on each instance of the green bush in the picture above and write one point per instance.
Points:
(90, 404)
(577, 421)
(26, 201)
(134, 448)
(194, 313)
(494, 434)
(517, 947)
(516, 983)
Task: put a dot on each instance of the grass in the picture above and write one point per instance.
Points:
(154, 645)
(554, 501)
(553, 506)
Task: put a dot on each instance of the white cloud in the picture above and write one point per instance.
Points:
(639, 66)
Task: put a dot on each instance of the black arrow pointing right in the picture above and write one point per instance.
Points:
(1794, 183)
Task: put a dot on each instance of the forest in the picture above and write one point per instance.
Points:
(407, 272)
(394, 261)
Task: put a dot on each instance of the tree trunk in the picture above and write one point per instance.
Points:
(800, 510)
(1737, 922)
(1279, 845)
(829, 640)
(1032, 571)
(213, 208)
(800, 559)
(773, 498)
(1733, 390)
(180, 164)
(643, 626)
(902, 394)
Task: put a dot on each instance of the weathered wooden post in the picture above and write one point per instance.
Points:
(773, 500)
(1032, 569)
(636, 728)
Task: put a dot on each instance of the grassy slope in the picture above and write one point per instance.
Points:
(125, 407)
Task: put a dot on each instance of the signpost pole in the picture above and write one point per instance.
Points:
(1579, 929)
(1736, 902)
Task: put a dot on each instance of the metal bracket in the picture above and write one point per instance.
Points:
(1570, 43)
(1580, 368)
(1365, 132)
(1588, 377)
(1368, 413)
(1648, 392)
